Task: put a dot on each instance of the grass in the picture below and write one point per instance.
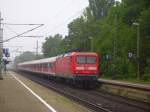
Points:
(131, 80)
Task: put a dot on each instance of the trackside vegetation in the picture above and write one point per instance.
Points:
(107, 27)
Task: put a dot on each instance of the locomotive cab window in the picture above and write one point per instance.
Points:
(91, 59)
(86, 59)
(81, 59)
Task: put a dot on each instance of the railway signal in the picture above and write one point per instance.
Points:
(6, 52)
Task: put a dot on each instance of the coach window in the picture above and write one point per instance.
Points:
(50, 65)
(45, 65)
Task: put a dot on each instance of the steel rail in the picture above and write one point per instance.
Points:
(124, 84)
(130, 102)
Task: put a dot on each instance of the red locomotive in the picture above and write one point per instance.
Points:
(76, 67)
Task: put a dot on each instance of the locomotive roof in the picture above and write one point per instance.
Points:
(84, 53)
(76, 53)
(45, 60)
(52, 59)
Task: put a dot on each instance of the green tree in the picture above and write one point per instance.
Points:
(51, 47)
(103, 25)
(144, 39)
(25, 56)
(100, 8)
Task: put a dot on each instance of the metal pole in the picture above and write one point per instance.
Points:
(37, 47)
(1, 48)
(138, 51)
(115, 46)
(138, 48)
(92, 45)
(114, 58)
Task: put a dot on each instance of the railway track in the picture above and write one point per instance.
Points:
(127, 101)
(99, 102)
(126, 85)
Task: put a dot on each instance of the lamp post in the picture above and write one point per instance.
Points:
(1, 48)
(138, 48)
(91, 42)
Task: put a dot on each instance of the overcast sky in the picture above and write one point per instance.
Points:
(54, 14)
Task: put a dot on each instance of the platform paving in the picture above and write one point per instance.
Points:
(15, 98)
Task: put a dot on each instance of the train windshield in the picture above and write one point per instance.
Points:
(86, 59)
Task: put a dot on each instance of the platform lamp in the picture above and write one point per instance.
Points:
(138, 47)
(91, 42)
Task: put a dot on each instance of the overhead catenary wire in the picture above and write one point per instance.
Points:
(20, 24)
(11, 30)
(12, 46)
(60, 12)
(62, 9)
(19, 35)
(40, 25)
(33, 36)
(6, 24)
(62, 23)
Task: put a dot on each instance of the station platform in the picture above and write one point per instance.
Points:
(20, 94)
(16, 98)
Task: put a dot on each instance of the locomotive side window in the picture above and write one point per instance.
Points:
(86, 59)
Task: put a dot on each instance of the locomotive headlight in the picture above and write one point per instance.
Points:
(91, 68)
(79, 68)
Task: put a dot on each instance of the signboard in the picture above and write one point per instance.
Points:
(130, 55)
